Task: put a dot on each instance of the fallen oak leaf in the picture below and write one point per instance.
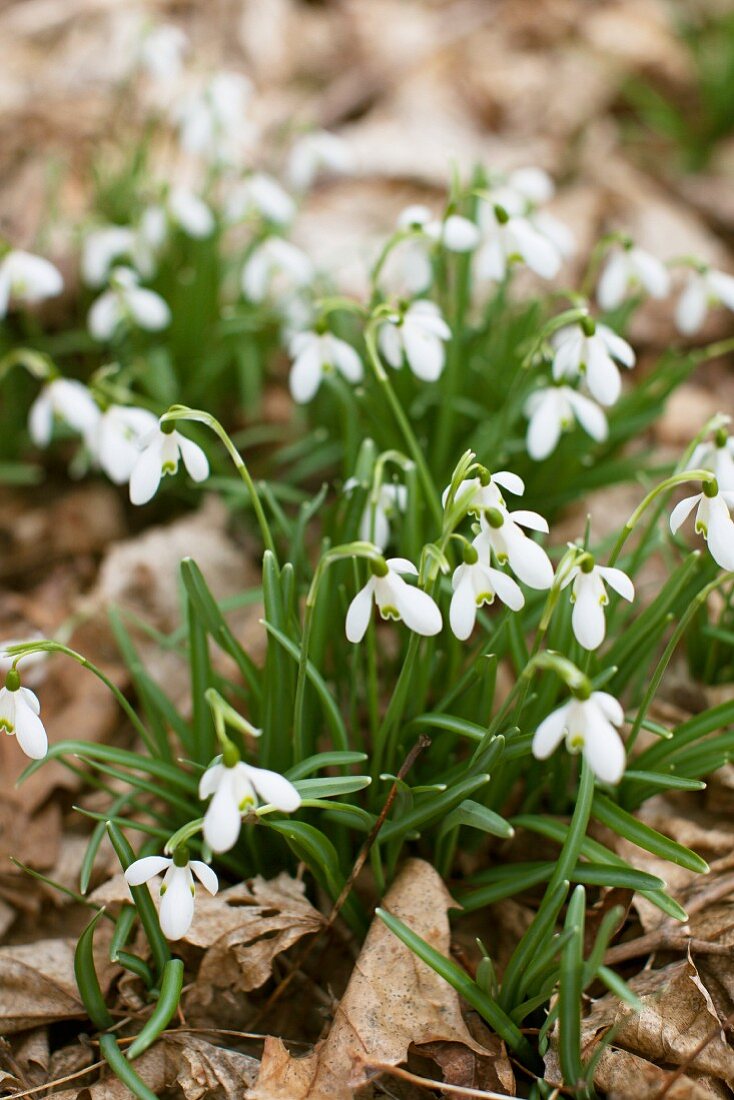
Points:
(392, 1001)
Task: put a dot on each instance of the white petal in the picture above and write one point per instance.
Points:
(402, 565)
(191, 213)
(609, 706)
(532, 520)
(616, 346)
(306, 375)
(360, 613)
(590, 416)
(528, 561)
(721, 534)
(29, 729)
(722, 285)
(147, 472)
(347, 361)
(604, 750)
(30, 697)
(148, 309)
(690, 312)
(104, 316)
(544, 429)
(587, 619)
(274, 788)
(617, 580)
(142, 870)
(418, 610)
(459, 234)
(652, 273)
(424, 352)
(509, 481)
(549, 733)
(391, 344)
(536, 250)
(222, 819)
(682, 511)
(41, 419)
(210, 780)
(491, 263)
(205, 875)
(602, 374)
(507, 589)
(194, 459)
(463, 609)
(177, 904)
(613, 282)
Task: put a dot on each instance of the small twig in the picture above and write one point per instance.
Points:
(58, 1081)
(427, 1083)
(663, 940)
(681, 1069)
(422, 743)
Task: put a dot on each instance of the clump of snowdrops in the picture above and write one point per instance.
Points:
(427, 637)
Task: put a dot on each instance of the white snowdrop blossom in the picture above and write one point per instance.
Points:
(716, 455)
(476, 583)
(315, 153)
(589, 598)
(275, 269)
(66, 400)
(177, 891)
(408, 268)
(27, 278)
(117, 439)
(126, 302)
(501, 532)
(557, 232)
(190, 213)
(703, 289)
(554, 410)
(713, 521)
(20, 716)
(260, 195)
(102, 248)
(395, 599)
(316, 355)
(631, 269)
(212, 122)
(588, 726)
(374, 525)
(233, 789)
(478, 494)
(591, 351)
(522, 190)
(418, 334)
(509, 239)
(162, 52)
(159, 456)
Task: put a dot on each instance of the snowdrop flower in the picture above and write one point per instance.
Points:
(588, 726)
(521, 190)
(104, 247)
(408, 267)
(190, 213)
(127, 302)
(261, 195)
(64, 399)
(716, 455)
(509, 238)
(553, 410)
(588, 350)
(418, 334)
(713, 521)
(212, 119)
(235, 786)
(557, 232)
(374, 525)
(27, 278)
(501, 532)
(159, 456)
(480, 493)
(395, 599)
(19, 715)
(703, 288)
(631, 268)
(162, 51)
(476, 583)
(317, 354)
(589, 598)
(117, 439)
(274, 269)
(315, 153)
(177, 890)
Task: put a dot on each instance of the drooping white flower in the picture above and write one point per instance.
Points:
(557, 232)
(478, 494)
(275, 269)
(713, 521)
(631, 269)
(117, 439)
(555, 409)
(190, 213)
(234, 789)
(418, 334)
(317, 354)
(19, 716)
(177, 890)
(477, 583)
(102, 248)
(703, 289)
(374, 525)
(716, 455)
(589, 351)
(27, 278)
(64, 399)
(395, 599)
(262, 196)
(162, 52)
(512, 238)
(589, 598)
(160, 456)
(126, 302)
(408, 268)
(588, 726)
(212, 121)
(315, 153)
(501, 532)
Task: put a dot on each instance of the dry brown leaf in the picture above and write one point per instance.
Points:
(204, 1070)
(37, 985)
(392, 1001)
